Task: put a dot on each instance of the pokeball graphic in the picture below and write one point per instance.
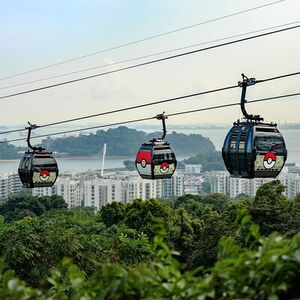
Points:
(143, 163)
(44, 175)
(143, 157)
(164, 167)
(269, 160)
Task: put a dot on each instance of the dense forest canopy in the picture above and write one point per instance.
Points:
(194, 247)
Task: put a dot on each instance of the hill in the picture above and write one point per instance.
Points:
(8, 151)
(123, 141)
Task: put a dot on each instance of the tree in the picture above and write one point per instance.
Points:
(191, 203)
(218, 201)
(272, 210)
(139, 215)
(17, 207)
(112, 213)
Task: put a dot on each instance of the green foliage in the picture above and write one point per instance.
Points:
(191, 203)
(196, 247)
(112, 213)
(210, 160)
(273, 211)
(269, 270)
(34, 246)
(18, 207)
(129, 165)
(197, 205)
(139, 215)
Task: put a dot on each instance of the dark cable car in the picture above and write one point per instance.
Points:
(253, 149)
(156, 159)
(37, 168)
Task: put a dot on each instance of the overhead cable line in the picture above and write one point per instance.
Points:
(127, 108)
(146, 56)
(148, 62)
(141, 40)
(151, 118)
(142, 105)
(152, 103)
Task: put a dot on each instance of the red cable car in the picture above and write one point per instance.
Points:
(156, 159)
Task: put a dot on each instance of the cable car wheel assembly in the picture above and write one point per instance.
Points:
(253, 149)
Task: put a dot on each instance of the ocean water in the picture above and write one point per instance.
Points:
(291, 136)
(73, 165)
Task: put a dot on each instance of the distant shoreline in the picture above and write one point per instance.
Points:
(76, 158)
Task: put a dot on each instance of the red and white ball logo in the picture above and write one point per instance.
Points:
(164, 167)
(269, 160)
(44, 175)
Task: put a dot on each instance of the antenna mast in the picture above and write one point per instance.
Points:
(103, 159)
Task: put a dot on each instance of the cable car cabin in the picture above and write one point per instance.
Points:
(156, 160)
(253, 150)
(38, 169)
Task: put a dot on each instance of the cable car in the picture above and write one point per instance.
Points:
(156, 159)
(37, 168)
(253, 149)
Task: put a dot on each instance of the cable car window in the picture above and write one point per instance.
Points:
(242, 146)
(264, 129)
(268, 143)
(232, 145)
(44, 162)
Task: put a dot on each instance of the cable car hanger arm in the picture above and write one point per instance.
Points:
(244, 84)
(163, 117)
(30, 128)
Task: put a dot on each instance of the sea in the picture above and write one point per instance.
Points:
(78, 165)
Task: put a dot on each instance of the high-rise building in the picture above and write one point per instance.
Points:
(10, 184)
(221, 182)
(126, 186)
(66, 187)
(193, 179)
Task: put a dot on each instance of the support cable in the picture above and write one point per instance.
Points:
(142, 40)
(151, 118)
(148, 62)
(145, 56)
(152, 103)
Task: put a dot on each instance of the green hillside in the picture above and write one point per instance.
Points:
(123, 141)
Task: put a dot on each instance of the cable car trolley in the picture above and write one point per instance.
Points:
(253, 149)
(156, 159)
(37, 168)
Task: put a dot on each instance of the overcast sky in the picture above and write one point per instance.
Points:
(37, 33)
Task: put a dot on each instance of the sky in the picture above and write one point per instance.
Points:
(37, 33)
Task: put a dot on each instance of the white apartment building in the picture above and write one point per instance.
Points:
(121, 186)
(193, 179)
(66, 187)
(126, 186)
(193, 169)
(221, 182)
(10, 184)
